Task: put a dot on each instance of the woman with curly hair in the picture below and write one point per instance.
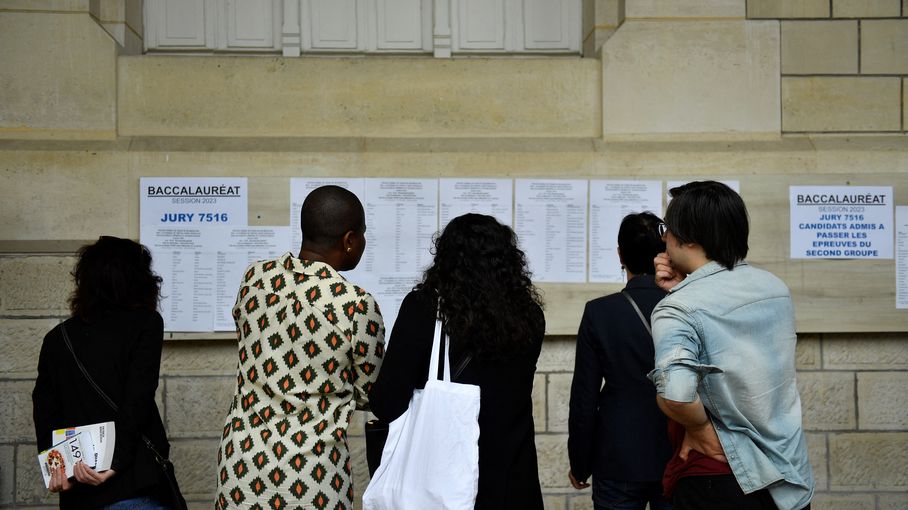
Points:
(480, 287)
(117, 334)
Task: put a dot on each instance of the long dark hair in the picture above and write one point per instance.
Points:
(113, 274)
(480, 277)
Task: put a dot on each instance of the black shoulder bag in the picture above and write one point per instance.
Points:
(177, 502)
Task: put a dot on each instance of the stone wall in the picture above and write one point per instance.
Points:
(844, 63)
(79, 125)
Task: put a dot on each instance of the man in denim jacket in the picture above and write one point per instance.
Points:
(725, 362)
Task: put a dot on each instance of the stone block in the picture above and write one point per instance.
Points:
(823, 104)
(557, 354)
(56, 94)
(551, 452)
(865, 8)
(882, 401)
(817, 452)
(865, 351)
(388, 97)
(199, 358)
(539, 402)
(91, 195)
(45, 5)
(16, 422)
(685, 9)
(357, 425)
(581, 501)
(554, 502)
(677, 78)
(559, 397)
(30, 488)
(36, 285)
(808, 355)
(884, 46)
(788, 9)
(827, 400)
(7, 474)
(820, 47)
(20, 343)
(360, 467)
(195, 462)
(893, 501)
(843, 502)
(868, 461)
(196, 406)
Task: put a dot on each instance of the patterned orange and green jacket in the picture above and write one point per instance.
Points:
(310, 346)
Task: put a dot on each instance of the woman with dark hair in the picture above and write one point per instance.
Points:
(617, 433)
(117, 334)
(479, 286)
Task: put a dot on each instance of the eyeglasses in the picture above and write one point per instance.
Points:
(662, 229)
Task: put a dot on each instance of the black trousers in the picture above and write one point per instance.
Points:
(718, 493)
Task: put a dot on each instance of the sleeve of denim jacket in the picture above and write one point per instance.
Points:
(678, 369)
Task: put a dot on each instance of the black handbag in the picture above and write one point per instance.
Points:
(377, 430)
(177, 502)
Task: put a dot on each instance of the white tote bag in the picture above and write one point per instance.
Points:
(431, 458)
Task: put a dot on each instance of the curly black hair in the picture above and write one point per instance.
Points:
(113, 274)
(486, 298)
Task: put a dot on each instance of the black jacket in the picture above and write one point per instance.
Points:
(122, 352)
(617, 431)
(508, 474)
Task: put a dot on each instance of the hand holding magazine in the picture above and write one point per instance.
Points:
(92, 444)
(103, 438)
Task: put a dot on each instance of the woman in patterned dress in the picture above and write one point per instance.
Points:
(480, 286)
(310, 345)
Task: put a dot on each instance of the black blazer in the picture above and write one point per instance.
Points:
(617, 431)
(508, 474)
(122, 352)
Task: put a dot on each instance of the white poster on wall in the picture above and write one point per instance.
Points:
(901, 257)
(610, 202)
(493, 197)
(550, 221)
(841, 222)
(193, 201)
(202, 268)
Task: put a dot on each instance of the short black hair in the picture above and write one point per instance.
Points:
(328, 213)
(712, 215)
(640, 242)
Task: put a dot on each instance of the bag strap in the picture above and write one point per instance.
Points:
(639, 313)
(158, 457)
(440, 339)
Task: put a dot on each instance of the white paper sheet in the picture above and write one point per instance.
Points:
(401, 218)
(389, 290)
(192, 201)
(299, 190)
(550, 221)
(494, 197)
(610, 202)
(841, 222)
(901, 257)
(202, 268)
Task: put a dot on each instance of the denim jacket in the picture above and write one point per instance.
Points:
(729, 337)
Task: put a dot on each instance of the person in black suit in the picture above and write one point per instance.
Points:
(480, 286)
(616, 432)
(117, 334)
